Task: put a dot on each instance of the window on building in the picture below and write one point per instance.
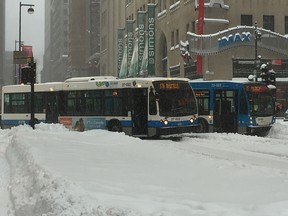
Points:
(187, 27)
(103, 18)
(103, 42)
(268, 22)
(193, 27)
(286, 24)
(246, 20)
(177, 36)
(172, 39)
(162, 5)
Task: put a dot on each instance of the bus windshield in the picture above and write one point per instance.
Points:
(176, 98)
(261, 102)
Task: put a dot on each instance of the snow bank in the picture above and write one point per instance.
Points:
(57, 172)
(36, 192)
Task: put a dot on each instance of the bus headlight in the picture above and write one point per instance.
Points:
(193, 119)
(165, 121)
(251, 120)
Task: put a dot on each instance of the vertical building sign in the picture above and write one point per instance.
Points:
(130, 39)
(141, 38)
(151, 39)
(120, 41)
(200, 31)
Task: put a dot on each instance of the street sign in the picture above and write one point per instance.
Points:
(20, 57)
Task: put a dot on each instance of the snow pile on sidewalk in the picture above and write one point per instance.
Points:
(35, 191)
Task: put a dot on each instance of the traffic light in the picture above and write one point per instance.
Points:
(271, 77)
(28, 74)
(25, 75)
(32, 73)
(267, 74)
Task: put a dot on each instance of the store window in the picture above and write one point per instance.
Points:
(268, 22)
(246, 20)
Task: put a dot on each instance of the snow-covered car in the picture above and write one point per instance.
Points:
(286, 115)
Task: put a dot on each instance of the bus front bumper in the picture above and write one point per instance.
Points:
(258, 130)
(176, 130)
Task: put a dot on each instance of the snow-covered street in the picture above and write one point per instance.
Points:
(53, 171)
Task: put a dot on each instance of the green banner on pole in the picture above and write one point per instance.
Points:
(151, 39)
(141, 37)
(133, 70)
(123, 67)
(120, 41)
(129, 43)
(144, 65)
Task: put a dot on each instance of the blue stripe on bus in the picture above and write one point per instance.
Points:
(124, 123)
(158, 124)
(14, 122)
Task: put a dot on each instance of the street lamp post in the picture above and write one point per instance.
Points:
(257, 36)
(31, 64)
(30, 11)
(16, 78)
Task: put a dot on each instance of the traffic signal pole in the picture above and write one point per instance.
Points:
(32, 82)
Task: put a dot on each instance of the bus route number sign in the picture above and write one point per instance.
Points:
(169, 86)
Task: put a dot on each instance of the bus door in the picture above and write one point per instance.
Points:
(140, 112)
(225, 111)
(51, 108)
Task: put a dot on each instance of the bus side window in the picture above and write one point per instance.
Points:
(243, 103)
(152, 103)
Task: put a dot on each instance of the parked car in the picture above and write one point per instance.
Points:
(286, 115)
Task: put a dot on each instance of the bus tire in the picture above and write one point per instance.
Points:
(203, 126)
(114, 125)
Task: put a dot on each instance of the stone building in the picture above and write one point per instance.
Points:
(2, 41)
(174, 18)
(72, 39)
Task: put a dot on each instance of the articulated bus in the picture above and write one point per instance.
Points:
(234, 107)
(141, 107)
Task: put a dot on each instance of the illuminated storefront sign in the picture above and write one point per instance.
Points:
(233, 39)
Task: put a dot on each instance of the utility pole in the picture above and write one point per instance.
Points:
(32, 78)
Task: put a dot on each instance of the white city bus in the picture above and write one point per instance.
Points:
(141, 107)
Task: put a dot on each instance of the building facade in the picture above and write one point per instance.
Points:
(56, 40)
(72, 39)
(112, 17)
(2, 41)
(174, 18)
(93, 37)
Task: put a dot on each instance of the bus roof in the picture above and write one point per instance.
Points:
(51, 86)
(87, 83)
(88, 79)
(234, 80)
(235, 83)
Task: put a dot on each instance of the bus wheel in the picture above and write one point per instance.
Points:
(203, 126)
(114, 125)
